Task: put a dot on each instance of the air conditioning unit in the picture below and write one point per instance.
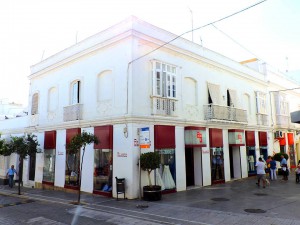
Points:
(279, 134)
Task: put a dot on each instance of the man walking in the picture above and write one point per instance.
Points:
(10, 174)
(284, 168)
(261, 173)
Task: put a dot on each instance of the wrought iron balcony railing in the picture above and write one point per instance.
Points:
(73, 112)
(225, 113)
(164, 106)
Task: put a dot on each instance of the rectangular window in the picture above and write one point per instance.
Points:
(75, 92)
(165, 80)
(261, 102)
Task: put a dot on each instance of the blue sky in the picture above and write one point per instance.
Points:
(33, 30)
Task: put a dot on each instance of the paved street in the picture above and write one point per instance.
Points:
(236, 202)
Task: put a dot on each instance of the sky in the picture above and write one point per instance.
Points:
(33, 30)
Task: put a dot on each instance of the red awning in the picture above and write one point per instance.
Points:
(50, 139)
(164, 136)
(215, 137)
(105, 137)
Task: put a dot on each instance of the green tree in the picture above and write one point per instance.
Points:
(77, 142)
(149, 161)
(24, 146)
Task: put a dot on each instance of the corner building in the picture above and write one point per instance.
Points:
(208, 116)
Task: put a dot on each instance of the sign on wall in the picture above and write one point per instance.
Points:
(195, 137)
(145, 137)
(236, 138)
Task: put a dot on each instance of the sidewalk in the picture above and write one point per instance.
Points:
(236, 202)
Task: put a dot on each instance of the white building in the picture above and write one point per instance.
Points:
(209, 117)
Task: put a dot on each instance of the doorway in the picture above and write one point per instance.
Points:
(235, 162)
(189, 167)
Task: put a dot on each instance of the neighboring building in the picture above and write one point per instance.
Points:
(209, 117)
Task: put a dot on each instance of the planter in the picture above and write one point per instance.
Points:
(152, 193)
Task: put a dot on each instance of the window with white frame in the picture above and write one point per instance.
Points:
(261, 102)
(75, 88)
(164, 76)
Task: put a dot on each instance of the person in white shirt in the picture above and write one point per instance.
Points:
(260, 171)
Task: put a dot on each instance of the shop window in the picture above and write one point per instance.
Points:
(217, 164)
(166, 174)
(103, 170)
(49, 165)
(72, 169)
(263, 150)
(251, 157)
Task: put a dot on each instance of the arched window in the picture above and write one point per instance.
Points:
(52, 99)
(35, 104)
(190, 91)
(105, 86)
(75, 92)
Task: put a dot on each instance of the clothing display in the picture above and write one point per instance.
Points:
(159, 180)
(251, 162)
(167, 178)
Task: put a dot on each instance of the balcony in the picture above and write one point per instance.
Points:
(164, 106)
(225, 113)
(282, 121)
(73, 112)
(262, 119)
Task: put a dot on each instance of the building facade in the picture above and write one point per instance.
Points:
(208, 117)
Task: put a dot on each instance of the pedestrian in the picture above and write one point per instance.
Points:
(284, 168)
(297, 172)
(261, 173)
(10, 174)
(269, 159)
(273, 169)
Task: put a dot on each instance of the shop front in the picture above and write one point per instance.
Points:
(49, 157)
(251, 153)
(103, 161)
(263, 145)
(236, 139)
(216, 155)
(164, 144)
(195, 139)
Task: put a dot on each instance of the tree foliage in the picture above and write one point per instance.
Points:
(277, 156)
(149, 161)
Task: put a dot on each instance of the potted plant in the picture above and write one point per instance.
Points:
(150, 161)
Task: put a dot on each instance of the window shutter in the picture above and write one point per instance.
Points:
(214, 91)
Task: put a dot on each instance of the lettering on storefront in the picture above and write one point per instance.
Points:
(122, 154)
(195, 137)
(60, 153)
(236, 137)
(205, 151)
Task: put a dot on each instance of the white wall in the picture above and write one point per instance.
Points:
(60, 160)
(180, 159)
(87, 178)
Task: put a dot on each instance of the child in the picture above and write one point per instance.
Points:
(297, 171)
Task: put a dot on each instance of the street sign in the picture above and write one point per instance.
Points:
(145, 137)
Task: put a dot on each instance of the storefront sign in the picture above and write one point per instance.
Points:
(205, 151)
(135, 142)
(122, 154)
(195, 137)
(60, 153)
(236, 138)
(145, 137)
